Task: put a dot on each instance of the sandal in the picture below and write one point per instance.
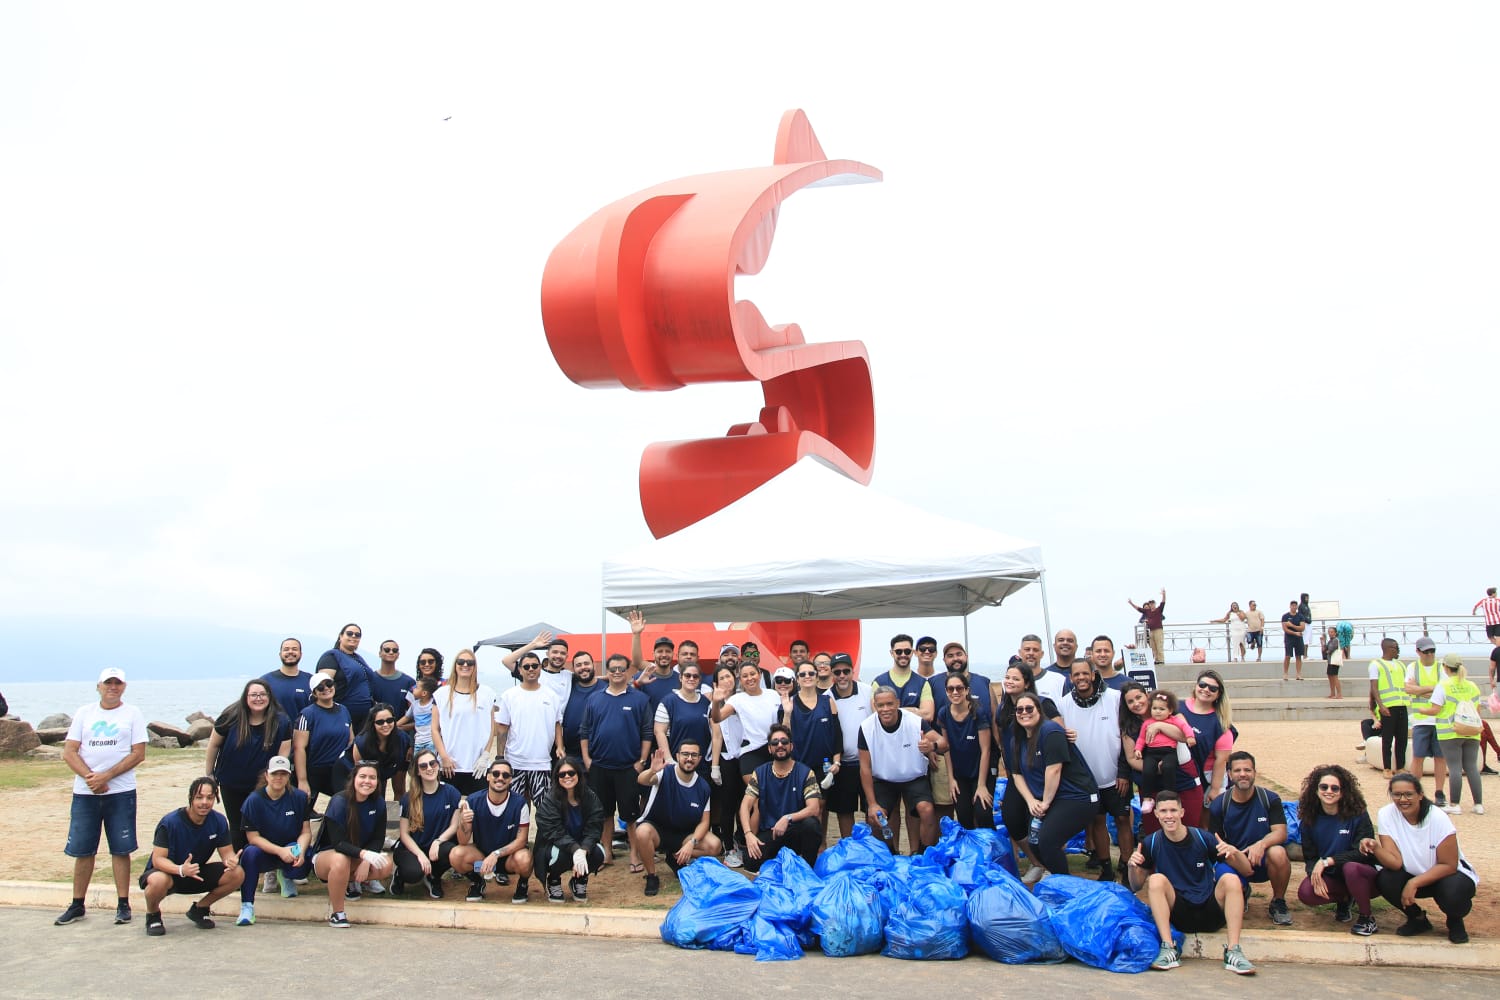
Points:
(636, 867)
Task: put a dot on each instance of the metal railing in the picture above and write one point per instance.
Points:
(1445, 630)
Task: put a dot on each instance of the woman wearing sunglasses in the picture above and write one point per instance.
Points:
(1337, 838)
(350, 673)
(569, 826)
(1055, 784)
(963, 724)
(1207, 711)
(429, 827)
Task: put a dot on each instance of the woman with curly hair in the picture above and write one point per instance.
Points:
(1337, 841)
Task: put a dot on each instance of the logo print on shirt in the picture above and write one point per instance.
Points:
(104, 730)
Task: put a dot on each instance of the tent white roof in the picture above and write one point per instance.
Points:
(812, 544)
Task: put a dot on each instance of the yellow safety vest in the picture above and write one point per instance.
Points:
(1453, 693)
(1391, 683)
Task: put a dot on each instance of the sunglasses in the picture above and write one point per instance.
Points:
(500, 774)
(1329, 788)
(927, 649)
(1025, 709)
(426, 660)
(901, 652)
(807, 673)
(389, 649)
(531, 666)
(463, 663)
(691, 675)
(352, 634)
(615, 670)
(956, 687)
(385, 722)
(427, 765)
(779, 741)
(566, 774)
(1208, 687)
(842, 671)
(785, 680)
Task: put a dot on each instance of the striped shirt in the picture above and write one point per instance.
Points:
(1491, 606)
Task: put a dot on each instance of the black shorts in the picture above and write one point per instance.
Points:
(1294, 645)
(1112, 803)
(207, 880)
(1253, 639)
(1333, 669)
(617, 790)
(888, 793)
(846, 796)
(1492, 631)
(1197, 918)
(671, 840)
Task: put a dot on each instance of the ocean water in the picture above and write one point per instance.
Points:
(159, 701)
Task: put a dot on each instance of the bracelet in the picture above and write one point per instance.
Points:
(179, 871)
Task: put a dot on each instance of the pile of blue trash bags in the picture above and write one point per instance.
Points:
(960, 894)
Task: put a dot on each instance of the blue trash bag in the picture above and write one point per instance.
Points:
(1293, 822)
(1075, 844)
(1008, 861)
(849, 915)
(1009, 924)
(715, 902)
(1101, 923)
(979, 851)
(861, 849)
(787, 887)
(892, 886)
(772, 941)
(930, 923)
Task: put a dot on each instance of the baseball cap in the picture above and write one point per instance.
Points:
(1425, 645)
(1453, 661)
(729, 647)
(664, 641)
(111, 674)
(279, 764)
(319, 680)
(926, 640)
(843, 658)
(784, 674)
(952, 646)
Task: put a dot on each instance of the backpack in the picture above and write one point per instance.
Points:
(1466, 720)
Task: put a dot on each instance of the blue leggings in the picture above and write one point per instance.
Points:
(255, 861)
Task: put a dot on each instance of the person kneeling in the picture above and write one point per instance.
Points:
(785, 795)
(676, 818)
(350, 840)
(569, 827)
(1184, 887)
(492, 829)
(183, 834)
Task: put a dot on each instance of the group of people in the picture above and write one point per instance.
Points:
(735, 760)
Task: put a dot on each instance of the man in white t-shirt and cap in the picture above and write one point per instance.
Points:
(105, 744)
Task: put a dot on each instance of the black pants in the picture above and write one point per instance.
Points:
(321, 781)
(1393, 730)
(1065, 817)
(410, 869)
(1158, 770)
(804, 836)
(234, 798)
(972, 815)
(725, 799)
(1454, 894)
(749, 760)
(466, 783)
(559, 863)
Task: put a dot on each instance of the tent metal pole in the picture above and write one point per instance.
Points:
(603, 627)
(1046, 612)
(966, 635)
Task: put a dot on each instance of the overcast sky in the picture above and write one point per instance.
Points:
(1193, 296)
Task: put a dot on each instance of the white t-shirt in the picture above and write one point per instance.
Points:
(465, 723)
(733, 732)
(104, 739)
(1419, 844)
(757, 714)
(853, 711)
(560, 684)
(522, 818)
(1050, 685)
(532, 717)
(1436, 676)
(1098, 729)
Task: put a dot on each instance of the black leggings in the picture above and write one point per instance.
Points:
(410, 869)
(1065, 817)
(1393, 730)
(1454, 894)
(557, 867)
(234, 798)
(971, 815)
(726, 798)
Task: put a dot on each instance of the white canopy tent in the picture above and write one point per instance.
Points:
(812, 544)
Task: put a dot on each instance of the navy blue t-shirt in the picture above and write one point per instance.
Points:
(1052, 747)
(182, 837)
(491, 832)
(351, 680)
(327, 733)
(816, 735)
(391, 690)
(1244, 824)
(677, 807)
(573, 713)
(979, 687)
(238, 765)
(963, 737)
(293, 694)
(687, 720)
(910, 693)
(615, 725)
(369, 828)
(656, 688)
(779, 796)
(1188, 865)
(437, 812)
(278, 820)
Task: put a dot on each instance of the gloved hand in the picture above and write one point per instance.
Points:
(716, 775)
(580, 863)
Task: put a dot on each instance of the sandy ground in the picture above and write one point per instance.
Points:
(33, 822)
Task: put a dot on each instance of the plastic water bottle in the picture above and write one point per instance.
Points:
(885, 832)
(295, 848)
(1034, 834)
(827, 781)
(478, 867)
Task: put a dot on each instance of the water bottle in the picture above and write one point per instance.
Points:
(296, 849)
(1034, 834)
(478, 867)
(886, 834)
(827, 781)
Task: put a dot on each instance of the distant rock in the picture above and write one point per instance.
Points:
(200, 729)
(50, 736)
(45, 753)
(164, 729)
(199, 715)
(17, 737)
(57, 720)
(165, 743)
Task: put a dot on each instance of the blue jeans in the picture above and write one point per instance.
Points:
(114, 813)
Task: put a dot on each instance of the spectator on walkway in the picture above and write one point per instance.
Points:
(569, 830)
(1237, 622)
(1153, 615)
(1252, 819)
(1346, 638)
(429, 827)
(1388, 698)
(247, 734)
(1419, 858)
(1334, 654)
(180, 863)
(106, 742)
(1337, 844)
(1177, 866)
(1489, 604)
(1293, 643)
(1055, 783)
(1459, 750)
(781, 805)
(1255, 630)
(678, 813)
(278, 836)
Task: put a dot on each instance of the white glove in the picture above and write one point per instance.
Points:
(580, 863)
(483, 764)
(374, 858)
(716, 775)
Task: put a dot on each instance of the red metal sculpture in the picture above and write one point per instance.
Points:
(641, 295)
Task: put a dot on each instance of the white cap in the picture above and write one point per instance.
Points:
(279, 764)
(111, 674)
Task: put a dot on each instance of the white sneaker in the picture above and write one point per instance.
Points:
(1479, 809)
(734, 859)
(268, 881)
(374, 888)
(1452, 810)
(1033, 875)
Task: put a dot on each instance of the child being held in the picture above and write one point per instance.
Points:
(1157, 747)
(419, 714)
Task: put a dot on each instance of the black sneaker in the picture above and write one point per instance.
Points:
(1344, 912)
(476, 890)
(434, 887)
(351, 891)
(339, 920)
(122, 913)
(1365, 926)
(1280, 915)
(579, 887)
(1457, 933)
(1486, 769)
(523, 886)
(554, 890)
(398, 887)
(1416, 923)
(501, 878)
(154, 926)
(1440, 800)
(1094, 862)
(653, 885)
(200, 918)
(74, 912)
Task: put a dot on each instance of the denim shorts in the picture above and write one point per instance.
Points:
(115, 813)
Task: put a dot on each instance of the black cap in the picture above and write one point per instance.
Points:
(663, 641)
(841, 658)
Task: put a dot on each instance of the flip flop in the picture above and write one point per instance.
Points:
(636, 868)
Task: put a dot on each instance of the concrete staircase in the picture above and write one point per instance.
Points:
(1257, 692)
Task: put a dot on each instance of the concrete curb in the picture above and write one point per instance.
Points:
(538, 917)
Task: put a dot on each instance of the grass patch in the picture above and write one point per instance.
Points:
(25, 772)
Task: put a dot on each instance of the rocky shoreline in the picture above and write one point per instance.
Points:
(20, 738)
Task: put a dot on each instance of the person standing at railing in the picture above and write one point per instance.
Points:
(1292, 627)
(1490, 605)
(1153, 615)
(1235, 619)
(1255, 635)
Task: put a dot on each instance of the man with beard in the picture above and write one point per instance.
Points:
(781, 805)
(1254, 821)
(1092, 711)
(290, 686)
(675, 820)
(1048, 684)
(584, 684)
